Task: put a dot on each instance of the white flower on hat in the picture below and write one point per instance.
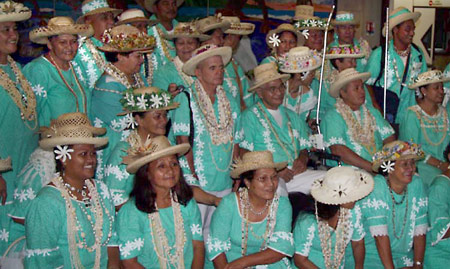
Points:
(387, 166)
(305, 33)
(131, 123)
(141, 102)
(63, 153)
(275, 40)
(156, 100)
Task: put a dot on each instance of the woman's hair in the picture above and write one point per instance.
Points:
(385, 174)
(446, 153)
(324, 211)
(59, 163)
(246, 175)
(112, 56)
(145, 196)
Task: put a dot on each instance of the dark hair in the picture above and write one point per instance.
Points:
(145, 196)
(324, 211)
(384, 174)
(295, 36)
(196, 39)
(246, 175)
(112, 56)
(140, 114)
(446, 153)
(333, 63)
(59, 163)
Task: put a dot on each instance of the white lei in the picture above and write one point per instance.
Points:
(179, 65)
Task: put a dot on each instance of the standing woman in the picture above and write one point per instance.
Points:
(252, 226)
(322, 239)
(160, 226)
(395, 213)
(427, 123)
(281, 40)
(70, 223)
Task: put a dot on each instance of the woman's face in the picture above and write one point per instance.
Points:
(288, 41)
(82, 163)
(315, 40)
(133, 62)
(264, 183)
(164, 173)
(403, 172)
(153, 122)
(434, 92)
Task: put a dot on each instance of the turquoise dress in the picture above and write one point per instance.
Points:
(438, 249)
(169, 73)
(233, 73)
(46, 230)
(361, 63)
(305, 105)
(135, 237)
(377, 209)
(53, 96)
(432, 132)
(226, 232)
(269, 59)
(307, 241)
(157, 32)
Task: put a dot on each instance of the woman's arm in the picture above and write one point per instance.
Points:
(303, 262)
(220, 261)
(359, 252)
(132, 264)
(267, 256)
(419, 250)
(384, 250)
(199, 254)
(113, 258)
(203, 197)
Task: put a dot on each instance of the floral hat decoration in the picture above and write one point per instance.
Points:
(93, 7)
(305, 20)
(126, 38)
(186, 29)
(428, 77)
(5, 164)
(254, 160)
(344, 51)
(12, 11)
(237, 27)
(298, 60)
(133, 15)
(203, 53)
(393, 151)
(146, 99)
(273, 37)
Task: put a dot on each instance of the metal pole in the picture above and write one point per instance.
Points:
(386, 58)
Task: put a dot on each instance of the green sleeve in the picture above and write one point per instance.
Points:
(420, 208)
(304, 233)
(118, 180)
(410, 127)
(39, 80)
(373, 66)
(248, 130)
(268, 59)
(358, 227)
(333, 129)
(181, 117)
(300, 130)
(281, 240)
(375, 209)
(219, 240)
(383, 126)
(438, 209)
(195, 220)
(130, 233)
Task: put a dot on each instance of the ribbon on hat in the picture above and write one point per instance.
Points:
(344, 17)
(93, 5)
(400, 12)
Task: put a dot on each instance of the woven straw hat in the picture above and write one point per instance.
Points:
(93, 7)
(5, 164)
(305, 19)
(149, 4)
(400, 15)
(134, 15)
(344, 51)
(284, 27)
(12, 11)
(237, 27)
(265, 73)
(344, 18)
(397, 150)
(186, 29)
(254, 160)
(212, 22)
(341, 185)
(303, 11)
(152, 98)
(300, 59)
(153, 149)
(126, 38)
(203, 53)
(345, 77)
(428, 77)
(71, 129)
(60, 26)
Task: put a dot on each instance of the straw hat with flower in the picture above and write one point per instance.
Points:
(345, 77)
(126, 38)
(203, 53)
(273, 37)
(305, 19)
(237, 27)
(344, 18)
(134, 15)
(265, 73)
(399, 15)
(146, 99)
(93, 7)
(428, 77)
(153, 149)
(60, 26)
(344, 51)
(396, 150)
(341, 185)
(12, 11)
(186, 29)
(71, 129)
(299, 59)
(255, 160)
(5, 164)
(149, 4)
(212, 22)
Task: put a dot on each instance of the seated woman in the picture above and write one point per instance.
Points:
(160, 226)
(70, 223)
(281, 40)
(150, 121)
(322, 239)
(395, 213)
(252, 226)
(427, 123)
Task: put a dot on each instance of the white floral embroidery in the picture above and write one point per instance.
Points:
(307, 245)
(440, 234)
(196, 229)
(25, 194)
(117, 197)
(335, 141)
(283, 236)
(115, 170)
(218, 245)
(42, 252)
(247, 145)
(266, 132)
(370, 81)
(138, 243)
(180, 128)
(39, 90)
(104, 190)
(375, 204)
(358, 221)
(378, 230)
(4, 235)
(385, 131)
(407, 261)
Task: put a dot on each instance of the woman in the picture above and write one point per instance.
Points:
(427, 123)
(252, 226)
(166, 227)
(150, 121)
(281, 40)
(312, 27)
(70, 223)
(322, 239)
(395, 213)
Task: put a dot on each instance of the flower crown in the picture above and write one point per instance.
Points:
(398, 150)
(308, 23)
(125, 42)
(8, 7)
(345, 50)
(145, 101)
(429, 76)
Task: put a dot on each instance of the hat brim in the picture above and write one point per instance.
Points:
(342, 56)
(148, 4)
(283, 77)
(5, 165)
(177, 149)
(424, 83)
(107, 48)
(224, 26)
(235, 173)
(200, 37)
(339, 84)
(41, 35)
(138, 19)
(50, 143)
(22, 16)
(173, 106)
(249, 28)
(296, 71)
(399, 19)
(190, 66)
(300, 38)
(376, 165)
(115, 11)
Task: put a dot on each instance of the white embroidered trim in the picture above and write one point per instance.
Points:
(196, 229)
(125, 251)
(441, 234)
(378, 230)
(420, 230)
(44, 252)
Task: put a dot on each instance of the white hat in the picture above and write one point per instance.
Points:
(397, 150)
(254, 160)
(12, 11)
(400, 15)
(212, 22)
(237, 27)
(345, 77)
(203, 53)
(428, 77)
(92, 7)
(344, 18)
(299, 59)
(134, 15)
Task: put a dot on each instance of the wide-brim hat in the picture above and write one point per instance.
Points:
(153, 149)
(344, 51)
(149, 4)
(311, 23)
(212, 22)
(60, 26)
(428, 77)
(274, 35)
(204, 52)
(341, 185)
(265, 73)
(12, 11)
(399, 15)
(146, 99)
(345, 77)
(126, 38)
(344, 18)
(397, 150)
(71, 129)
(186, 29)
(255, 160)
(237, 27)
(302, 11)
(5, 164)
(93, 7)
(134, 15)
(300, 59)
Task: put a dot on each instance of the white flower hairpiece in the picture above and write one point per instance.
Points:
(275, 40)
(305, 33)
(387, 166)
(63, 153)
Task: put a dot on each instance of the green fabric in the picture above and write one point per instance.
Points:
(361, 63)
(407, 97)
(53, 97)
(306, 103)
(116, 177)
(87, 69)
(258, 135)
(307, 241)
(46, 230)
(377, 209)
(226, 233)
(168, 74)
(268, 59)
(438, 249)
(447, 74)
(161, 58)
(233, 86)
(135, 237)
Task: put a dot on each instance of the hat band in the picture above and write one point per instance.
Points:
(310, 23)
(344, 17)
(400, 12)
(93, 5)
(347, 50)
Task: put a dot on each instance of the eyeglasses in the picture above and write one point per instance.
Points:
(265, 179)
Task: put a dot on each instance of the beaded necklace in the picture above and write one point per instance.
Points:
(99, 61)
(188, 80)
(394, 203)
(115, 72)
(427, 121)
(151, 67)
(162, 43)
